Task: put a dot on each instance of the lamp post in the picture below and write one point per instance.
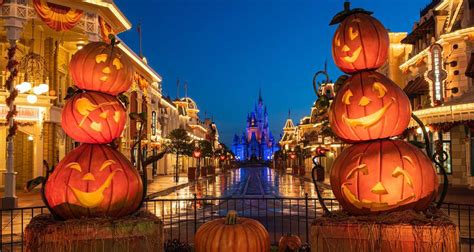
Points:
(197, 154)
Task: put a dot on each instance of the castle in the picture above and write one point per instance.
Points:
(257, 142)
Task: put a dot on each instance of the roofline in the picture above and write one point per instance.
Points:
(139, 61)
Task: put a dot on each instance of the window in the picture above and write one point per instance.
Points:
(445, 139)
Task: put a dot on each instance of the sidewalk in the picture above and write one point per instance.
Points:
(161, 185)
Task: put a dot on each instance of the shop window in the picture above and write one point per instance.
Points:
(445, 139)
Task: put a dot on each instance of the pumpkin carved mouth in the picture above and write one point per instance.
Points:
(373, 206)
(367, 121)
(93, 199)
(354, 57)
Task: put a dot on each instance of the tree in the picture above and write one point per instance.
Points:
(180, 144)
(206, 149)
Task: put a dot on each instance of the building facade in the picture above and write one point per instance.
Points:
(45, 43)
(257, 141)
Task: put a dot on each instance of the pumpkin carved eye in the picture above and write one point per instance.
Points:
(353, 34)
(101, 58)
(117, 63)
(347, 95)
(338, 40)
(75, 166)
(380, 89)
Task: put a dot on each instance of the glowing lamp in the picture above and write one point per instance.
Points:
(31, 98)
(197, 153)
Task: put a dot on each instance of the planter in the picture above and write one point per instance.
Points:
(399, 231)
(142, 231)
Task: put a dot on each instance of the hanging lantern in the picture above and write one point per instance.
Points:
(101, 67)
(383, 175)
(360, 43)
(369, 106)
(93, 117)
(92, 181)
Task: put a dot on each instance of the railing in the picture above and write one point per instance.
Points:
(182, 217)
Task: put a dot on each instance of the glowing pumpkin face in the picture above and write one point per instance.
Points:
(94, 180)
(383, 175)
(360, 43)
(101, 67)
(93, 117)
(369, 106)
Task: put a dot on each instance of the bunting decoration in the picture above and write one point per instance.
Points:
(57, 17)
(105, 30)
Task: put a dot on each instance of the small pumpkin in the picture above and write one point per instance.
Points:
(93, 117)
(102, 67)
(93, 181)
(369, 106)
(383, 176)
(232, 233)
(289, 242)
(360, 43)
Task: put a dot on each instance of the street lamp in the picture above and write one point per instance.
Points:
(197, 154)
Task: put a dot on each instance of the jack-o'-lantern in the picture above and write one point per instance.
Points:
(93, 117)
(360, 43)
(91, 181)
(101, 67)
(382, 176)
(369, 106)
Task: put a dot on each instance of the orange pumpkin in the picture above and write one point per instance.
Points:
(93, 117)
(360, 43)
(101, 67)
(92, 181)
(232, 234)
(289, 242)
(382, 176)
(369, 106)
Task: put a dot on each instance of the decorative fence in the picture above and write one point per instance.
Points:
(182, 217)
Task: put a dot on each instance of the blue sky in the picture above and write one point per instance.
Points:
(227, 49)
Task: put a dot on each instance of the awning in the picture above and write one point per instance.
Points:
(470, 67)
(416, 87)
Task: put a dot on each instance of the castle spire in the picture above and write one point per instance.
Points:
(260, 95)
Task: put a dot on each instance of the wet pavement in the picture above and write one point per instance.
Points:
(249, 182)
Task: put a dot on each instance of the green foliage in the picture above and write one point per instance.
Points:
(206, 148)
(180, 142)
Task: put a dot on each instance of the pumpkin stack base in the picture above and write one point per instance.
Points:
(416, 232)
(142, 231)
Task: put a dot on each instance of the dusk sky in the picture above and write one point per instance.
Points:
(227, 49)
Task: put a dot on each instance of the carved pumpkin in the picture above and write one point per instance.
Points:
(232, 234)
(360, 43)
(93, 117)
(382, 176)
(289, 242)
(92, 181)
(101, 67)
(369, 106)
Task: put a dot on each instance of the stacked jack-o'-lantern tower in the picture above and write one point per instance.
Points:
(94, 179)
(94, 189)
(377, 173)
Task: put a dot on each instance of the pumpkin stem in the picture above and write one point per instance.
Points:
(347, 6)
(231, 218)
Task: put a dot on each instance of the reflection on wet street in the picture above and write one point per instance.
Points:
(249, 182)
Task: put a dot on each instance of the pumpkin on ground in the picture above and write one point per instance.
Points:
(101, 67)
(232, 233)
(369, 106)
(383, 176)
(93, 117)
(289, 242)
(360, 43)
(93, 181)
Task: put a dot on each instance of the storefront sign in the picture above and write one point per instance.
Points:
(153, 123)
(24, 113)
(437, 74)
